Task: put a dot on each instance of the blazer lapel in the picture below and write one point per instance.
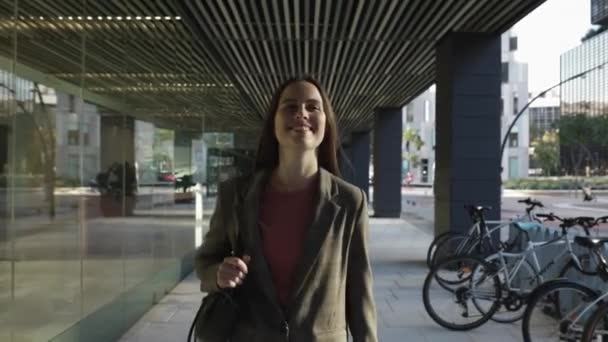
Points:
(247, 213)
(324, 216)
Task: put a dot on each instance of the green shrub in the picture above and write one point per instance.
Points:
(556, 183)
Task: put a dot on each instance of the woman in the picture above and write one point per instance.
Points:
(304, 272)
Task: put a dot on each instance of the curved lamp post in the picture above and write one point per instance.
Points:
(504, 140)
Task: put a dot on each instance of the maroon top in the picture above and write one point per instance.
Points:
(284, 221)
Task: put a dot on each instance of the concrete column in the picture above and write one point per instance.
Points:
(388, 132)
(360, 152)
(117, 139)
(117, 152)
(467, 128)
(345, 158)
(183, 151)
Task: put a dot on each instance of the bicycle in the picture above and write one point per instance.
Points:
(564, 309)
(478, 237)
(512, 265)
(492, 283)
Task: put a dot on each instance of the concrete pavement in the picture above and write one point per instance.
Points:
(398, 250)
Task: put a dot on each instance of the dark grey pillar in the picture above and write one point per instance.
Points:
(387, 162)
(117, 140)
(360, 153)
(467, 128)
(182, 149)
(346, 163)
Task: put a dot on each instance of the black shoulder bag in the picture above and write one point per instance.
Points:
(217, 315)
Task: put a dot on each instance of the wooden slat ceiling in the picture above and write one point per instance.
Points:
(177, 60)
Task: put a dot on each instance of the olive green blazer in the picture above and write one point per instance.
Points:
(333, 289)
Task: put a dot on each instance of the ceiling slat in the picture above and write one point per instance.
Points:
(224, 58)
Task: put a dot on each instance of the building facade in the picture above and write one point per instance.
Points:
(419, 117)
(544, 116)
(514, 94)
(599, 12)
(585, 98)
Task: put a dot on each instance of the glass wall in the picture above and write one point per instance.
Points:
(96, 192)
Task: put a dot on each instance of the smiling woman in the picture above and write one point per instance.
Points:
(301, 229)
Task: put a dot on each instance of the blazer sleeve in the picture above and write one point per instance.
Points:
(215, 246)
(360, 306)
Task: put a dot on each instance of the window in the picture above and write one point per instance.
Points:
(86, 128)
(515, 104)
(409, 116)
(427, 110)
(73, 137)
(73, 166)
(72, 104)
(513, 139)
(505, 72)
(512, 43)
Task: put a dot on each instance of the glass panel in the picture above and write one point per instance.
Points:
(46, 179)
(7, 116)
(97, 166)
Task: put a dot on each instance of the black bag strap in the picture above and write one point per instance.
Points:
(233, 237)
(191, 332)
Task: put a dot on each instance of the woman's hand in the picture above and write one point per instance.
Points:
(232, 272)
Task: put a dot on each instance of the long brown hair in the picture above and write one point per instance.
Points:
(268, 148)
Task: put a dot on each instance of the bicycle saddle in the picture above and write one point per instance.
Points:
(590, 242)
(527, 226)
(477, 208)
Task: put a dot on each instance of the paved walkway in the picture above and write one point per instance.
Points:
(398, 251)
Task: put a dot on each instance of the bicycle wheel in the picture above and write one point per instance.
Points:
(523, 280)
(452, 306)
(433, 247)
(596, 327)
(455, 245)
(552, 311)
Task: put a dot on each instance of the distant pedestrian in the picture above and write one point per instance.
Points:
(587, 194)
(409, 178)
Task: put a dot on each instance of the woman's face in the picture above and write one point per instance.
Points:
(299, 123)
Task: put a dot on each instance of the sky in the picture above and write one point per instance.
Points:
(543, 35)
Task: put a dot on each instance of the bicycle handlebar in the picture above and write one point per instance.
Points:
(603, 219)
(531, 202)
(550, 217)
(568, 222)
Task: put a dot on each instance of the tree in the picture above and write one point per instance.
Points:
(45, 139)
(577, 133)
(411, 137)
(546, 152)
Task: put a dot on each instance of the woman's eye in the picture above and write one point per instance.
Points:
(314, 108)
(291, 108)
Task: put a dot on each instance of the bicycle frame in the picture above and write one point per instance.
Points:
(530, 250)
(480, 232)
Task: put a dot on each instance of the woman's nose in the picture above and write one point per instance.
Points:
(302, 113)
